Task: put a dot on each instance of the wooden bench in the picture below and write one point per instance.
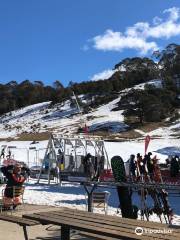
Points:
(102, 226)
(24, 222)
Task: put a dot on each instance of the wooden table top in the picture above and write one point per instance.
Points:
(110, 226)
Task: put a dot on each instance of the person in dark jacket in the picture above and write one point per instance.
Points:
(140, 165)
(132, 166)
(87, 162)
(150, 165)
(3, 153)
(174, 167)
(15, 176)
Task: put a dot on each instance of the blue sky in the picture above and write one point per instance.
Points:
(70, 40)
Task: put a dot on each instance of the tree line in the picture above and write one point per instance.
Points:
(127, 73)
(153, 104)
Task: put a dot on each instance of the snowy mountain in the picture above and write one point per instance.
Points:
(44, 118)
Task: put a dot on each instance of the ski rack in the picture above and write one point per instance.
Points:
(136, 185)
(175, 189)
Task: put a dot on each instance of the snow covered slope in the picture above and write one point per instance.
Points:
(62, 118)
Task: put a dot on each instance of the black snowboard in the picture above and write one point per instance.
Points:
(124, 194)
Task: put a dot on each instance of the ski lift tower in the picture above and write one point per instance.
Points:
(82, 122)
(50, 161)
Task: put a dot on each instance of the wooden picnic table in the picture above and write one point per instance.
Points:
(104, 227)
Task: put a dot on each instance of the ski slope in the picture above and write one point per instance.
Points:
(62, 118)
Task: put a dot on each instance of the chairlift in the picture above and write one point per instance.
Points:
(68, 161)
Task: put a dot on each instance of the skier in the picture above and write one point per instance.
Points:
(3, 153)
(9, 154)
(174, 167)
(16, 176)
(156, 170)
(150, 165)
(140, 166)
(71, 162)
(178, 158)
(60, 159)
(168, 162)
(132, 166)
(46, 163)
(96, 168)
(88, 168)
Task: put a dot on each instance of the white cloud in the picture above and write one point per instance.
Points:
(166, 29)
(174, 13)
(136, 36)
(103, 75)
(117, 42)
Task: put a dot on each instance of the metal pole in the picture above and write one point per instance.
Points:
(36, 157)
(81, 120)
(89, 194)
(28, 156)
(77, 103)
(45, 155)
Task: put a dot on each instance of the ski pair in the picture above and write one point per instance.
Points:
(159, 196)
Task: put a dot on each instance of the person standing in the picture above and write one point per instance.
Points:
(140, 166)
(16, 176)
(174, 167)
(132, 166)
(9, 154)
(3, 153)
(150, 165)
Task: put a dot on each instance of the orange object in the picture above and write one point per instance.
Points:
(7, 202)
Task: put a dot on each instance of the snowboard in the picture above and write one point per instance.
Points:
(118, 169)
